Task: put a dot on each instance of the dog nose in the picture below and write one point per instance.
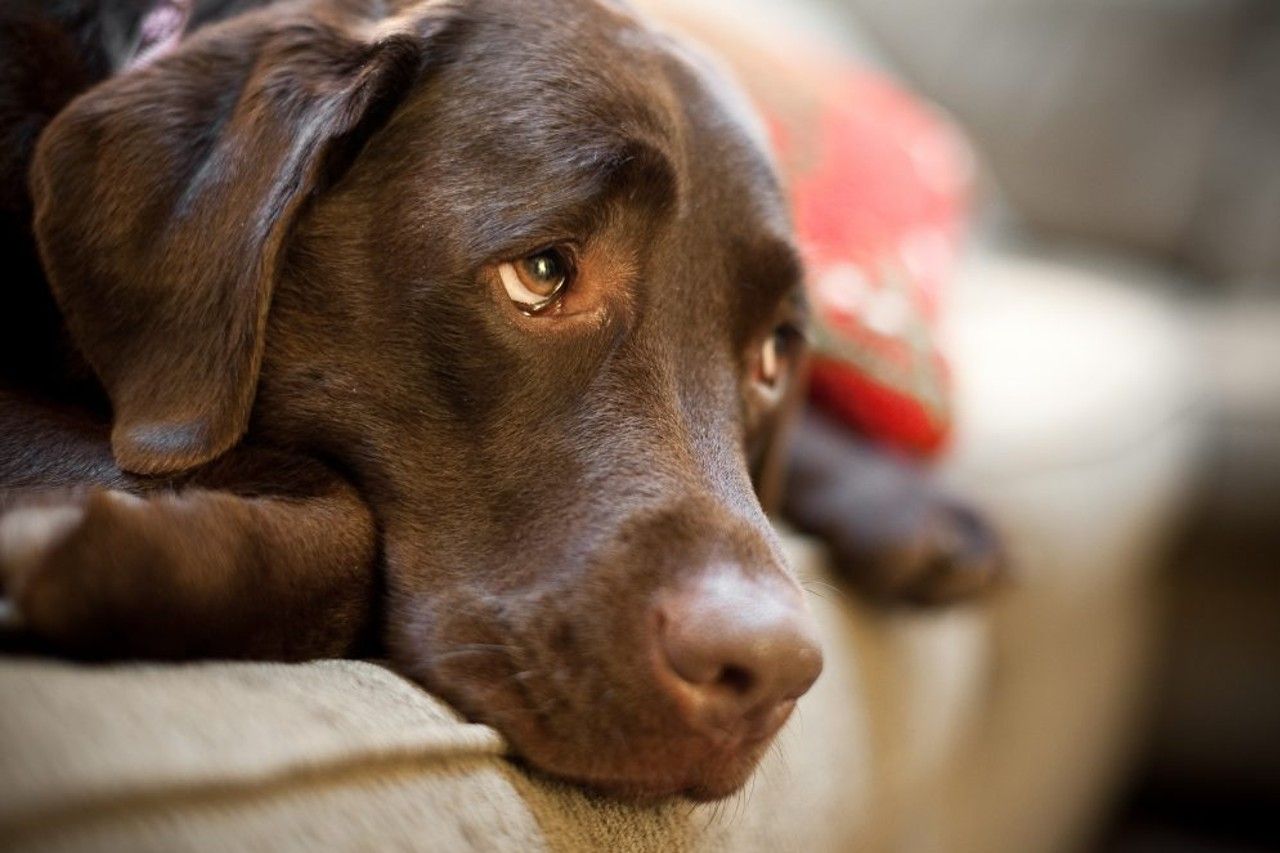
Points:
(736, 652)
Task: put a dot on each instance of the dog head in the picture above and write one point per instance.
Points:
(524, 272)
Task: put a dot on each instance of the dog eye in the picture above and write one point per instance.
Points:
(775, 353)
(535, 282)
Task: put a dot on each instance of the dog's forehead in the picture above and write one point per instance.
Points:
(729, 136)
(713, 97)
(565, 83)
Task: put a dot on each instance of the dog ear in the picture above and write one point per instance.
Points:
(164, 198)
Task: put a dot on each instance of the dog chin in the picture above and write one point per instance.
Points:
(708, 774)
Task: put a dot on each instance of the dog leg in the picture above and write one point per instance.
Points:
(893, 532)
(191, 572)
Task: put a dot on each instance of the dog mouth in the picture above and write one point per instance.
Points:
(639, 685)
(631, 750)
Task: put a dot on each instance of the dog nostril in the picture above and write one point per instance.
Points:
(739, 649)
(737, 679)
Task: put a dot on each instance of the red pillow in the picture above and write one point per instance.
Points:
(880, 185)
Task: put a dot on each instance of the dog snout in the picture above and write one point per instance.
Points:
(735, 652)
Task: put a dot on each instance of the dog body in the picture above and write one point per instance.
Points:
(454, 328)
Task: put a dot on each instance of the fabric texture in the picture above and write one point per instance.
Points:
(879, 184)
(879, 192)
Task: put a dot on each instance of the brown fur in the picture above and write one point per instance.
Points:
(313, 416)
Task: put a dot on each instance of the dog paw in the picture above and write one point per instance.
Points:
(29, 534)
(50, 562)
(893, 533)
(950, 553)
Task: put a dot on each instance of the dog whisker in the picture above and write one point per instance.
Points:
(472, 649)
(808, 586)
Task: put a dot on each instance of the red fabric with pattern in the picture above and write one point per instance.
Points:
(880, 184)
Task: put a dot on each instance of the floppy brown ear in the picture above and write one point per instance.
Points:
(164, 197)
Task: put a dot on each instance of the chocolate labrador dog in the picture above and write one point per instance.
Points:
(453, 328)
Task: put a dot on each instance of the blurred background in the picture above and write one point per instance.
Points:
(1141, 140)
(1115, 335)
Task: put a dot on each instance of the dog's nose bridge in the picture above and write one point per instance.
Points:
(681, 535)
(682, 455)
